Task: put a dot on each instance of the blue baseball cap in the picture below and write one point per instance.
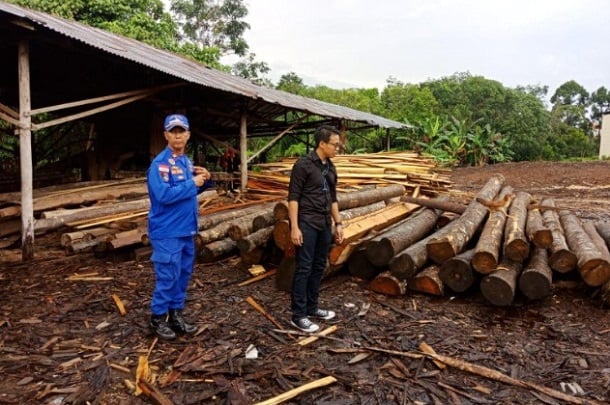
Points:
(176, 120)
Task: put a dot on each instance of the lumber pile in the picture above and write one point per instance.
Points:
(417, 173)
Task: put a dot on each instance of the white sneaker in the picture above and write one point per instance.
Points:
(323, 314)
(305, 325)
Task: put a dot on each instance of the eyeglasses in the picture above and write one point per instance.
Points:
(334, 145)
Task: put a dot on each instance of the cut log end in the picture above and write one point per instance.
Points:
(563, 261)
(517, 250)
(543, 238)
(484, 262)
(456, 275)
(535, 285)
(380, 253)
(497, 291)
(440, 250)
(386, 283)
(402, 267)
(595, 272)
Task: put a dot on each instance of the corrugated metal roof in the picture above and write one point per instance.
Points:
(189, 70)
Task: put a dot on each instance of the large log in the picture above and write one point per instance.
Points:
(220, 231)
(536, 279)
(386, 283)
(537, 233)
(561, 259)
(435, 203)
(487, 249)
(210, 220)
(600, 239)
(369, 196)
(463, 229)
(215, 250)
(9, 227)
(71, 237)
(360, 226)
(427, 281)
(603, 228)
(499, 287)
(127, 238)
(381, 249)
(281, 237)
(67, 217)
(592, 266)
(253, 240)
(347, 201)
(516, 245)
(358, 265)
(240, 227)
(457, 273)
(351, 213)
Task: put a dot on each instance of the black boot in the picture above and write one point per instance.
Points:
(161, 328)
(178, 324)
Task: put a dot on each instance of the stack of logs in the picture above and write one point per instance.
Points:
(502, 243)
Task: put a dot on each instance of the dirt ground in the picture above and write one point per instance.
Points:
(63, 340)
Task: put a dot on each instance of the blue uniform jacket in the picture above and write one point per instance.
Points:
(173, 196)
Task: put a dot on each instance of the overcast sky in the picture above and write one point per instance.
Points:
(360, 43)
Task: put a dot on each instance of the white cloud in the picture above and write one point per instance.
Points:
(361, 43)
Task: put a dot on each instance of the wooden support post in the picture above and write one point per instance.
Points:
(243, 152)
(25, 153)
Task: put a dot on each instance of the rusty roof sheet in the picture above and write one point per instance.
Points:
(188, 70)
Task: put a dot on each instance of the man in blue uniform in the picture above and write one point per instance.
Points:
(173, 185)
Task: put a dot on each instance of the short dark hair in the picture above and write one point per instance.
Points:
(323, 133)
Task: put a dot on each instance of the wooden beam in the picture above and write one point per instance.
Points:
(274, 140)
(105, 98)
(25, 153)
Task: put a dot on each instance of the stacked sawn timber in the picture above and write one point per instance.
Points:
(417, 173)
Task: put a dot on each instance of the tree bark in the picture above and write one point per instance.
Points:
(536, 280)
(487, 250)
(603, 228)
(245, 226)
(561, 259)
(352, 213)
(367, 197)
(408, 261)
(540, 235)
(499, 287)
(221, 230)
(381, 249)
(436, 203)
(255, 239)
(385, 283)
(360, 226)
(71, 237)
(457, 273)
(214, 250)
(516, 245)
(428, 281)
(47, 224)
(463, 229)
(593, 267)
(210, 220)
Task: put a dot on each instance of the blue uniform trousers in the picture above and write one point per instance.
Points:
(173, 261)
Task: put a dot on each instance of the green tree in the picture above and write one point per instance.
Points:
(570, 102)
(143, 20)
(600, 103)
(407, 103)
(291, 83)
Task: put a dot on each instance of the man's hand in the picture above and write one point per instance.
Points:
(339, 234)
(202, 170)
(199, 179)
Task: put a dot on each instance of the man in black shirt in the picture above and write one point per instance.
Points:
(312, 205)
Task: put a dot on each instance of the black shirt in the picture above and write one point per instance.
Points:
(313, 185)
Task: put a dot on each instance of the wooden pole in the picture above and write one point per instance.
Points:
(25, 153)
(243, 152)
